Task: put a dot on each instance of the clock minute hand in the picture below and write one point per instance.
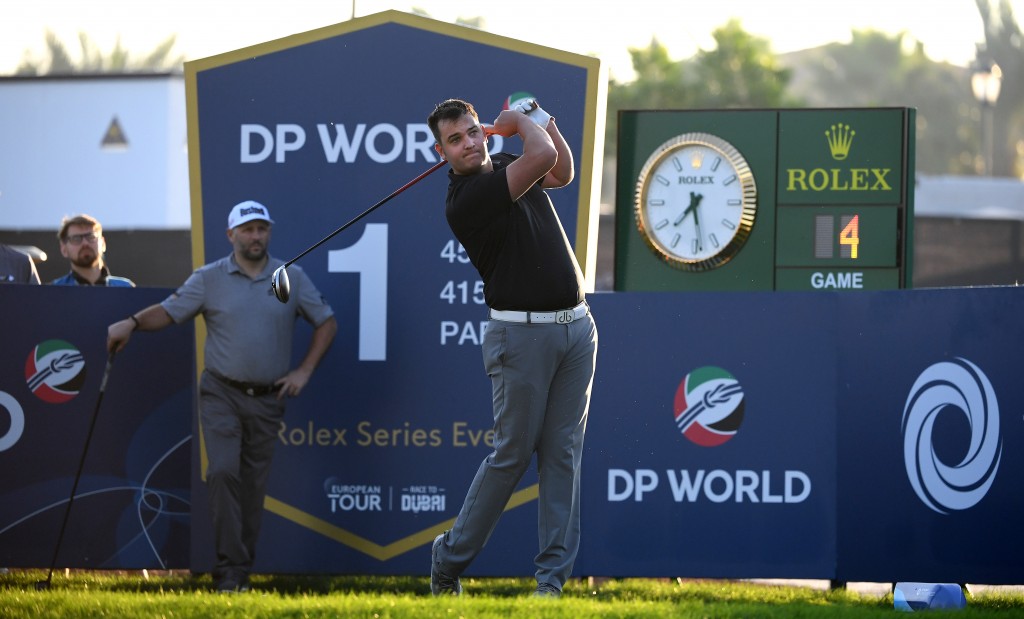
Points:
(695, 199)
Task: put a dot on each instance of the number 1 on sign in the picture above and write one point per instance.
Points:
(369, 258)
(849, 237)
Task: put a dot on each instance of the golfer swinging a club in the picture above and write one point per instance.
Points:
(540, 346)
(246, 376)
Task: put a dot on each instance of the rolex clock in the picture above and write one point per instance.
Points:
(695, 201)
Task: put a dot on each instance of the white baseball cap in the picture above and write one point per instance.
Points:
(247, 211)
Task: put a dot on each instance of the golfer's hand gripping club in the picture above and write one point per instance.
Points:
(534, 112)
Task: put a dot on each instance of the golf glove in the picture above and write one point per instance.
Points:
(533, 111)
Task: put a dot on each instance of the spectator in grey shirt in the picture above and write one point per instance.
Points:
(246, 375)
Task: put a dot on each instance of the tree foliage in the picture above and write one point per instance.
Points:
(57, 61)
(1004, 45)
(874, 69)
(471, 22)
(880, 70)
(740, 71)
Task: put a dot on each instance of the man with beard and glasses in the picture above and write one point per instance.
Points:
(82, 243)
(246, 375)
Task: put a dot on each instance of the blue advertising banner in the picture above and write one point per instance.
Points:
(867, 436)
(857, 437)
(132, 503)
(931, 439)
(319, 127)
(711, 441)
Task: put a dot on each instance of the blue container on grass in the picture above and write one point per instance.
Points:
(914, 596)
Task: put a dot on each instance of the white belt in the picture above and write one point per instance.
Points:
(562, 317)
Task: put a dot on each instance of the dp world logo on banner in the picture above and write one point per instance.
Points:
(709, 406)
(957, 387)
(55, 371)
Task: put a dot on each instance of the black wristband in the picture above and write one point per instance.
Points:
(135, 320)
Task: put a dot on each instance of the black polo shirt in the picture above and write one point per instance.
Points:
(519, 247)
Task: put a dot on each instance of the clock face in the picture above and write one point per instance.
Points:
(695, 201)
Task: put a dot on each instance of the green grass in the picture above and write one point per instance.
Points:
(178, 594)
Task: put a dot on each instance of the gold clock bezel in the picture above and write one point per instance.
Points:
(747, 213)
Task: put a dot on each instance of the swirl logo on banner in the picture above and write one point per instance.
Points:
(16, 425)
(961, 386)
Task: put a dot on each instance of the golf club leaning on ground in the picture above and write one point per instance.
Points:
(279, 281)
(45, 584)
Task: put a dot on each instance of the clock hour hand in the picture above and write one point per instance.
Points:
(695, 199)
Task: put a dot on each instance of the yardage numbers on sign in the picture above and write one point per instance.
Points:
(461, 292)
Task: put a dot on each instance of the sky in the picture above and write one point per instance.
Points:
(949, 29)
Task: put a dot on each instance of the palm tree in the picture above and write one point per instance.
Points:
(57, 61)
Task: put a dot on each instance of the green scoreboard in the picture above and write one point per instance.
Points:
(816, 199)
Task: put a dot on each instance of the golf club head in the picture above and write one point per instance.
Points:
(279, 282)
(42, 585)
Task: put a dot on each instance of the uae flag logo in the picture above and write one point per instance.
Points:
(55, 371)
(514, 98)
(709, 406)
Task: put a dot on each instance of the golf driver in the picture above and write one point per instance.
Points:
(45, 584)
(279, 281)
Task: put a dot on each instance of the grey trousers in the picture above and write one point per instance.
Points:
(239, 432)
(541, 376)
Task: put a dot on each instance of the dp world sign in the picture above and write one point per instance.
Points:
(319, 126)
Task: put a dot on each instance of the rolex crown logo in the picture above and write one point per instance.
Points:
(840, 138)
(697, 160)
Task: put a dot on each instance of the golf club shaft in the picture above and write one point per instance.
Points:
(81, 463)
(368, 211)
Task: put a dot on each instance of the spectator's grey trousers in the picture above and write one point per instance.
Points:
(239, 432)
(541, 376)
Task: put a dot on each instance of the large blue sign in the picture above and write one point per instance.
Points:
(319, 127)
(854, 436)
(870, 436)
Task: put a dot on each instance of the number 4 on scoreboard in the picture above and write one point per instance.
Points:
(849, 237)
